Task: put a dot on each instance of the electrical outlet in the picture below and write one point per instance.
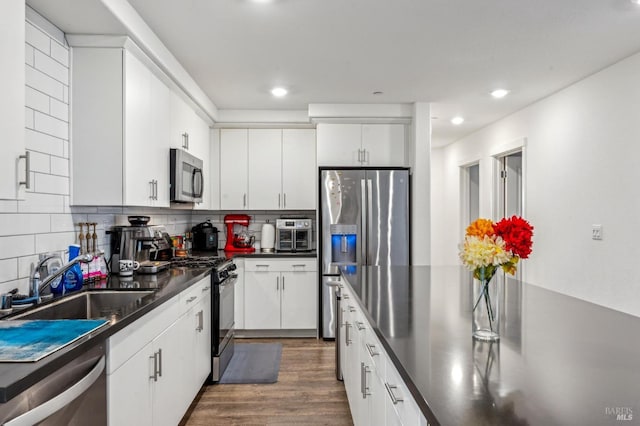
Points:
(596, 232)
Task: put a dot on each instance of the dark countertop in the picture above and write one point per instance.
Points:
(16, 377)
(560, 360)
(280, 254)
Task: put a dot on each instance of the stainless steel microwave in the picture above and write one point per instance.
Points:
(293, 235)
(186, 179)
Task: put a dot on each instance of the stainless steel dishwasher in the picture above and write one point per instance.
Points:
(74, 395)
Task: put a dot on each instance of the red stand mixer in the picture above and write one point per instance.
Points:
(238, 238)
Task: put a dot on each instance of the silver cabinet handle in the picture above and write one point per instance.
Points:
(345, 296)
(278, 200)
(364, 387)
(360, 325)
(244, 200)
(185, 137)
(277, 283)
(372, 349)
(156, 187)
(347, 337)
(362, 379)
(299, 265)
(282, 283)
(187, 140)
(359, 156)
(262, 266)
(200, 316)
(160, 362)
(41, 412)
(155, 366)
(395, 399)
(27, 170)
(151, 190)
(351, 309)
(206, 288)
(284, 196)
(191, 299)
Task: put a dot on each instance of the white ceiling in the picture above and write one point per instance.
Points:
(451, 53)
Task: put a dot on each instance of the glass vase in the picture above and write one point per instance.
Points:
(486, 307)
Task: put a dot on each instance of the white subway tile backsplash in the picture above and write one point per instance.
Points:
(51, 184)
(54, 242)
(63, 223)
(41, 203)
(20, 284)
(40, 162)
(59, 166)
(37, 38)
(41, 142)
(8, 206)
(28, 118)
(36, 100)
(28, 54)
(65, 149)
(8, 269)
(51, 67)
(65, 94)
(21, 224)
(60, 53)
(16, 246)
(51, 126)
(59, 109)
(44, 83)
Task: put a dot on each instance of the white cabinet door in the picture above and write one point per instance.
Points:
(158, 151)
(213, 177)
(200, 145)
(262, 300)
(179, 122)
(383, 144)
(168, 390)
(299, 171)
(339, 144)
(265, 169)
(12, 101)
(299, 300)
(129, 391)
(201, 323)
(233, 169)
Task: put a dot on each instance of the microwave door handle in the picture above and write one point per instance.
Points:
(197, 189)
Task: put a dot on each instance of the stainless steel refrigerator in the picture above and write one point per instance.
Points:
(364, 220)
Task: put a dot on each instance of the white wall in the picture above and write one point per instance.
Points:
(581, 168)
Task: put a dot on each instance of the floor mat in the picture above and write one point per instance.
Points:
(254, 363)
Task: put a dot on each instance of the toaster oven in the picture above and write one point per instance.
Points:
(293, 235)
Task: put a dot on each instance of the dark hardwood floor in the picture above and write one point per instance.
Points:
(307, 392)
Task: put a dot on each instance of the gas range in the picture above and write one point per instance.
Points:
(221, 265)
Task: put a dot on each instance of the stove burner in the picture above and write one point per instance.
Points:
(198, 262)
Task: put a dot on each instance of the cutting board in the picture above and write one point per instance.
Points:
(32, 340)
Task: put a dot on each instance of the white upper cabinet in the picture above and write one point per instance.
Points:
(267, 169)
(13, 168)
(299, 170)
(361, 144)
(120, 133)
(233, 169)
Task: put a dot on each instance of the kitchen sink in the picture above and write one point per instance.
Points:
(90, 305)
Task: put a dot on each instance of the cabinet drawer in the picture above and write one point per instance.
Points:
(128, 341)
(281, 265)
(194, 294)
(404, 406)
(375, 351)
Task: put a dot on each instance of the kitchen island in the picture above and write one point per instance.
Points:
(560, 360)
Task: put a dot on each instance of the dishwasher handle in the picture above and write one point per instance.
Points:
(41, 412)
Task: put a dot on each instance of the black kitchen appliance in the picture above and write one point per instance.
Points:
(205, 237)
(223, 279)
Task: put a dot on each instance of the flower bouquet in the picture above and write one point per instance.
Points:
(487, 247)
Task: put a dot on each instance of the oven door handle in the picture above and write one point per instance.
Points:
(231, 279)
(41, 412)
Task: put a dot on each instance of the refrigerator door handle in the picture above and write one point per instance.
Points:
(370, 258)
(363, 223)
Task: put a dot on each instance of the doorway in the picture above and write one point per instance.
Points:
(470, 195)
(510, 187)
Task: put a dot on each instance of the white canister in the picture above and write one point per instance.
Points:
(268, 238)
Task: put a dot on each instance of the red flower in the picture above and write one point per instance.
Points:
(516, 233)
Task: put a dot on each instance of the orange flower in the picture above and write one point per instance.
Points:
(480, 227)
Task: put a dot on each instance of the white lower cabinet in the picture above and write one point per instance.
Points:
(280, 294)
(156, 365)
(376, 393)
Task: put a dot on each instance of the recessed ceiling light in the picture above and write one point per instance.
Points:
(501, 93)
(457, 120)
(279, 91)
(378, 92)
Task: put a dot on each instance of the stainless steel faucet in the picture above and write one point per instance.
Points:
(37, 286)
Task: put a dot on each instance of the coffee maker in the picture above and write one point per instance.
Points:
(238, 238)
(148, 245)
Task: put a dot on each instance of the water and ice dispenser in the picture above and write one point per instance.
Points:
(344, 240)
